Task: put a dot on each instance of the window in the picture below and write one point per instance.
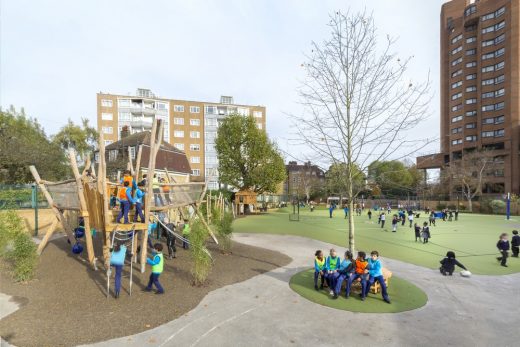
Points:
(112, 155)
(471, 64)
(487, 134)
(488, 68)
(488, 82)
(456, 73)
(500, 66)
(125, 116)
(456, 119)
(456, 96)
(456, 61)
(211, 122)
(108, 130)
(471, 138)
(456, 84)
(456, 38)
(195, 160)
(107, 142)
(488, 29)
(106, 103)
(500, 11)
(178, 108)
(471, 126)
(499, 79)
(500, 92)
(472, 51)
(500, 25)
(456, 107)
(160, 105)
(490, 120)
(124, 102)
(195, 172)
(488, 43)
(471, 101)
(471, 113)
(456, 142)
(456, 130)
(470, 10)
(486, 108)
(179, 146)
(471, 76)
(178, 121)
(195, 134)
(500, 38)
(488, 16)
(178, 133)
(499, 133)
(131, 149)
(488, 56)
(194, 109)
(194, 147)
(243, 111)
(499, 105)
(499, 120)
(500, 52)
(106, 116)
(257, 114)
(471, 39)
(456, 50)
(488, 95)
(195, 122)
(211, 109)
(471, 89)
(259, 125)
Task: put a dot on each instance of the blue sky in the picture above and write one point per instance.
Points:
(56, 55)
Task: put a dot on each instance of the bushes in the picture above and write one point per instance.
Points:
(199, 253)
(16, 246)
(497, 206)
(225, 230)
(441, 206)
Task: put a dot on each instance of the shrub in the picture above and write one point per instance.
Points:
(16, 246)
(200, 255)
(497, 206)
(225, 230)
(441, 206)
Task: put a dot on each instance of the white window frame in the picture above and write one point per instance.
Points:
(195, 147)
(178, 121)
(106, 103)
(107, 116)
(194, 109)
(178, 108)
(107, 130)
(179, 146)
(195, 134)
(194, 122)
(195, 172)
(258, 114)
(195, 160)
(178, 133)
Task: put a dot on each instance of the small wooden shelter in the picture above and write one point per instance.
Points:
(243, 198)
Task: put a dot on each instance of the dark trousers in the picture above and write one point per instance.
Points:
(339, 282)
(515, 250)
(139, 212)
(503, 258)
(316, 275)
(185, 244)
(351, 279)
(125, 208)
(157, 197)
(447, 270)
(411, 222)
(331, 279)
(170, 242)
(382, 223)
(403, 221)
(119, 271)
(154, 279)
(330, 214)
(371, 281)
(425, 240)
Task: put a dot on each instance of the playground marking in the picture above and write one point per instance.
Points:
(184, 327)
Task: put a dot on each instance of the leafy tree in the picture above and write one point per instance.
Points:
(82, 139)
(336, 179)
(247, 159)
(392, 177)
(22, 143)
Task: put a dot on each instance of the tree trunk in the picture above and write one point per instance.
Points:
(470, 205)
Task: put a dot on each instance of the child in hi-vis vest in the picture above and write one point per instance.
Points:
(157, 263)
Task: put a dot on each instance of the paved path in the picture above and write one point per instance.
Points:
(264, 311)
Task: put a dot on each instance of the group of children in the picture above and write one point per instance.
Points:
(130, 194)
(503, 246)
(334, 271)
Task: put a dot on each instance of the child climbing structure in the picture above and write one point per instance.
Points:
(88, 196)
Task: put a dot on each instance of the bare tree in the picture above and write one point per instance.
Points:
(468, 173)
(358, 104)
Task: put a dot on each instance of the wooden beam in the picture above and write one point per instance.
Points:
(102, 188)
(130, 162)
(84, 208)
(48, 235)
(49, 183)
(50, 201)
(201, 217)
(138, 164)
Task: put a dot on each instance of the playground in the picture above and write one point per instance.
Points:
(473, 237)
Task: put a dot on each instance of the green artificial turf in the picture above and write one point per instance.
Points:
(403, 295)
(473, 237)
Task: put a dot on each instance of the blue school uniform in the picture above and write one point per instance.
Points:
(345, 269)
(332, 264)
(139, 194)
(375, 273)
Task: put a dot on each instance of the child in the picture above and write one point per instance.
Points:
(375, 273)
(417, 232)
(383, 219)
(448, 264)
(127, 177)
(369, 215)
(515, 243)
(125, 199)
(139, 202)
(166, 191)
(117, 260)
(113, 200)
(410, 218)
(157, 264)
(450, 216)
(319, 269)
(359, 272)
(345, 270)
(345, 209)
(145, 180)
(432, 218)
(332, 267)
(425, 232)
(394, 224)
(503, 247)
(156, 188)
(170, 238)
(331, 209)
(186, 234)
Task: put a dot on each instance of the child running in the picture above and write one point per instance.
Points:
(157, 264)
(375, 273)
(319, 269)
(332, 267)
(345, 270)
(448, 264)
(359, 272)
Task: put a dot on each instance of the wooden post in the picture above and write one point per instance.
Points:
(155, 144)
(102, 188)
(47, 236)
(50, 201)
(201, 217)
(138, 163)
(83, 208)
(130, 163)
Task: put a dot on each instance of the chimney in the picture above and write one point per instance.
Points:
(125, 131)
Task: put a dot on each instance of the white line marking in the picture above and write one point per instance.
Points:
(184, 327)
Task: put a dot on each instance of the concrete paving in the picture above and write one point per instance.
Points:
(264, 311)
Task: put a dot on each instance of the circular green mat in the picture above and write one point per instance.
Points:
(404, 296)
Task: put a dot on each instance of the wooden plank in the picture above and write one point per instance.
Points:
(127, 227)
(84, 208)
(49, 183)
(47, 236)
(50, 201)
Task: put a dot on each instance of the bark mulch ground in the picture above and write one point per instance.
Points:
(66, 304)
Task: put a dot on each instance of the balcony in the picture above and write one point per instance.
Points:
(141, 123)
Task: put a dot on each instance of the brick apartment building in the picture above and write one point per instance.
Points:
(480, 88)
(190, 126)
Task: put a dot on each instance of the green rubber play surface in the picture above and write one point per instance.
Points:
(404, 296)
(473, 237)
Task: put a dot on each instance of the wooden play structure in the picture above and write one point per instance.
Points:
(242, 198)
(88, 195)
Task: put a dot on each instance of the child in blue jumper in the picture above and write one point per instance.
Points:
(157, 264)
(319, 269)
(117, 260)
(332, 266)
(345, 270)
(375, 273)
(139, 202)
